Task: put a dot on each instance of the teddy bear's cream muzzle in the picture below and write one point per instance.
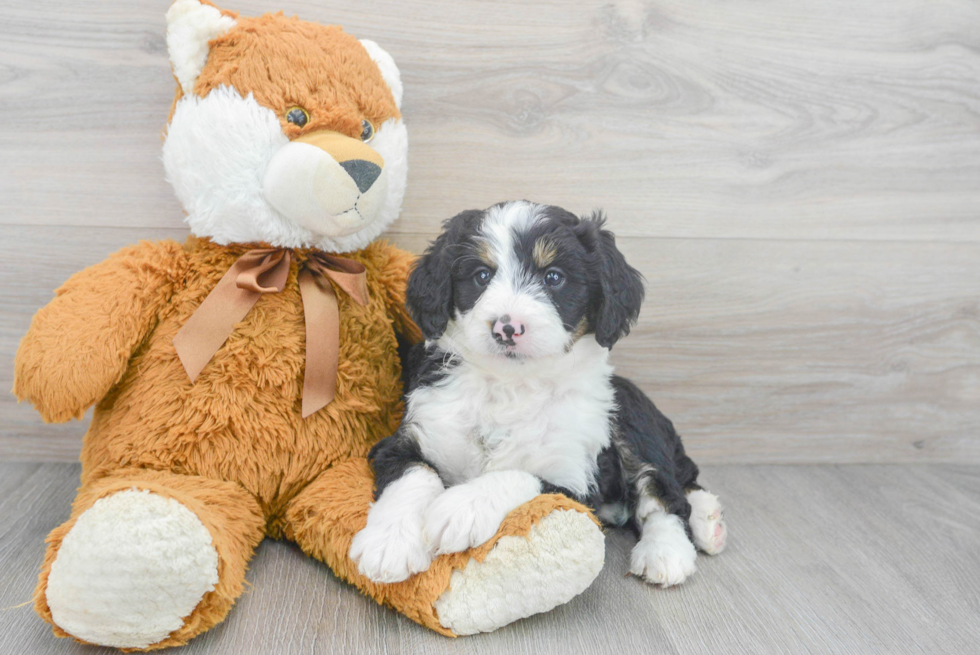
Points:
(326, 182)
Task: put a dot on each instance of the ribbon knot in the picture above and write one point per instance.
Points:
(266, 270)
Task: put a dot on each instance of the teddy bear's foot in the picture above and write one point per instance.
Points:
(544, 553)
(129, 571)
(557, 560)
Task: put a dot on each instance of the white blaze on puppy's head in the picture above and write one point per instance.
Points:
(283, 131)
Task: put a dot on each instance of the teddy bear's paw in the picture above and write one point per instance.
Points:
(524, 575)
(130, 570)
(664, 554)
(707, 522)
(390, 553)
(469, 514)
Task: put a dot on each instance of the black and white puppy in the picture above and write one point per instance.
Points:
(512, 395)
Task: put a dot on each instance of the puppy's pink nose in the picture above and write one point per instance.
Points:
(506, 330)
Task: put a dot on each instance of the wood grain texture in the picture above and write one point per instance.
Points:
(811, 119)
(799, 183)
(760, 351)
(822, 559)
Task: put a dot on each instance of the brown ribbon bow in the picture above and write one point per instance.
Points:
(265, 271)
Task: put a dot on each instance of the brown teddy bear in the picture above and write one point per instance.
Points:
(240, 378)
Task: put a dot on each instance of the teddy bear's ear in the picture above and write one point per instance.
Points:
(190, 25)
(389, 71)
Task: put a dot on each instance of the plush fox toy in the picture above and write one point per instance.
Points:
(240, 378)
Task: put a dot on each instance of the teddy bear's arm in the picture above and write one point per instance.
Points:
(398, 266)
(79, 344)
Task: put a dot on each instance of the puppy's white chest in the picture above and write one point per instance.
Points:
(536, 430)
(553, 426)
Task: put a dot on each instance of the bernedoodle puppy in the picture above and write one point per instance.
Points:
(512, 395)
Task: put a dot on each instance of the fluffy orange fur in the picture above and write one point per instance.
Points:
(232, 446)
(285, 62)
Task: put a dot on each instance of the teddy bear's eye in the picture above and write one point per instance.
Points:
(298, 116)
(367, 130)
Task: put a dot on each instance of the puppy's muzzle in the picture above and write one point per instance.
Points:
(328, 182)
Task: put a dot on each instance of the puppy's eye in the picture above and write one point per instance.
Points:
(367, 130)
(482, 277)
(298, 116)
(554, 278)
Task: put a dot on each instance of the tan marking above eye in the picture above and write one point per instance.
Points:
(544, 252)
(485, 254)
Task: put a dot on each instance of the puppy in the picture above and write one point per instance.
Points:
(512, 395)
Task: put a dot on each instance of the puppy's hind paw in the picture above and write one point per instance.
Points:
(707, 522)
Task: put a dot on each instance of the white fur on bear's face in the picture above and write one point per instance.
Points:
(306, 184)
(216, 155)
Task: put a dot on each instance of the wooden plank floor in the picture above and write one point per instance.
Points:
(822, 559)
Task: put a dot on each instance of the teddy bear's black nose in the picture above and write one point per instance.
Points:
(363, 172)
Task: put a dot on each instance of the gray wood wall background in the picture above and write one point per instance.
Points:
(799, 181)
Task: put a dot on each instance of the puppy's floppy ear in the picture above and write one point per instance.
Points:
(621, 285)
(429, 296)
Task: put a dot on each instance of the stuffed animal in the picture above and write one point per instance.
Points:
(239, 379)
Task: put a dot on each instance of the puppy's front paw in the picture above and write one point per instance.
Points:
(664, 555)
(460, 518)
(391, 553)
